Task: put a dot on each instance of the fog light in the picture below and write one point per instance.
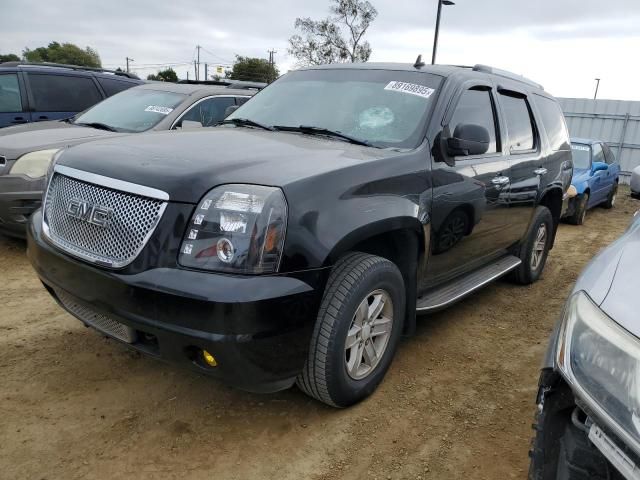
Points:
(209, 359)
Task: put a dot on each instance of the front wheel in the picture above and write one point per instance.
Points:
(580, 211)
(534, 249)
(357, 330)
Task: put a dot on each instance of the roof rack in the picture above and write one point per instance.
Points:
(70, 67)
(506, 74)
(239, 84)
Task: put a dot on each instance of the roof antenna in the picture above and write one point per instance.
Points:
(419, 63)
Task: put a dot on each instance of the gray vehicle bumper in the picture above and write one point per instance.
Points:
(20, 196)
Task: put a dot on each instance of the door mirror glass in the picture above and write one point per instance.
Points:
(598, 166)
(468, 139)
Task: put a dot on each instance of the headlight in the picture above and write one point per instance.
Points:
(34, 164)
(602, 361)
(236, 228)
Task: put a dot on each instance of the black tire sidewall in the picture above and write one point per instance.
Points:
(343, 389)
(542, 215)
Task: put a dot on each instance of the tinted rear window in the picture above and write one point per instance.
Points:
(10, 100)
(111, 86)
(554, 123)
(62, 93)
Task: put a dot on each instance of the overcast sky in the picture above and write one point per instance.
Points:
(563, 44)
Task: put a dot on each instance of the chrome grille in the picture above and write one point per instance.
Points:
(97, 320)
(132, 221)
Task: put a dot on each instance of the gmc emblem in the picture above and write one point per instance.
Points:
(87, 212)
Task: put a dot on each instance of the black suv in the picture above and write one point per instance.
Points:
(298, 242)
(33, 92)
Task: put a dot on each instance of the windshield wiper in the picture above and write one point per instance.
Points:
(324, 131)
(245, 122)
(98, 125)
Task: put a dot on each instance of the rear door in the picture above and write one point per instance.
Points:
(13, 101)
(526, 162)
(469, 215)
(55, 96)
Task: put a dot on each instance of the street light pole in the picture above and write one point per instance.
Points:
(129, 60)
(595, 95)
(435, 38)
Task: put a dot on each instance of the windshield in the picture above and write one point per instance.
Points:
(133, 110)
(384, 107)
(581, 155)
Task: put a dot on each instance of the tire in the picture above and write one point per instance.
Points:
(611, 198)
(534, 250)
(580, 211)
(333, 373)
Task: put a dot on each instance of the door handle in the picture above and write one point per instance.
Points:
(43, 117)
(500, 180)
(540, 171)
(19, 120)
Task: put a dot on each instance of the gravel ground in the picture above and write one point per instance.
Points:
(456, 403)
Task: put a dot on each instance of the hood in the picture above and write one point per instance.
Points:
(187, 164)
(21, 139)
(622, 302)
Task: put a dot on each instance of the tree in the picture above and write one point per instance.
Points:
(166, 75)
(10, 57)
(254, 70)
(66, 53)
(336, 39)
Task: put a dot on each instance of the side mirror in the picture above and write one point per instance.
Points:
(190, 124)
(598, 166)
(468, 139)
(229, 110)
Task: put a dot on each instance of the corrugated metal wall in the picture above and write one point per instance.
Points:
(617, 122)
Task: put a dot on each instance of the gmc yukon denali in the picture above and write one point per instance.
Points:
(297, 242)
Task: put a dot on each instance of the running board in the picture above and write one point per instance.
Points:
(455, 290)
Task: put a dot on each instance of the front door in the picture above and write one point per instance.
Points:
(469, 214)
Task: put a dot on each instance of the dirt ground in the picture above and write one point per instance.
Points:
(457, 402)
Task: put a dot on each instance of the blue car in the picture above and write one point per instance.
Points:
(588, 417)
(595, 178)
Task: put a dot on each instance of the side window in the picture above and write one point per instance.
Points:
(62, 93)
(241, 100)
(476, 107)
(554, 123)
(609, 157)
(112, 86)
(598, 153)
(10, 99)
(208, 112)
(519, 123)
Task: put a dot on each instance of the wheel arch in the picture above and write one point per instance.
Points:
(404, 241)
(552, 199)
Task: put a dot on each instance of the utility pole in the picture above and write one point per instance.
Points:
(272, 57)
(129, 60)
(195, 70)
(206, 71)
(437, 33)
(198, 47)
(595, 95)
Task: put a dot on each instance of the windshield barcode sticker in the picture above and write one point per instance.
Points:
(410, 88)
(156, 109)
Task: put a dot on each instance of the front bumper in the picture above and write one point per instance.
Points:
(20, 196)
(257, 327)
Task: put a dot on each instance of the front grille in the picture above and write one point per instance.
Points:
(97, 320)
(114, 243)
